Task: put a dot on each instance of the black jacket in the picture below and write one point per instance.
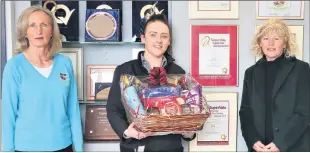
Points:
(290, 105)
(116, 112)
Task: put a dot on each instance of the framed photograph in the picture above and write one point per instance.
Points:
(297, 33)
(280, 9)
(220, 130)
(213, 9)
(214, 54)
(99, 81)
(75, 54)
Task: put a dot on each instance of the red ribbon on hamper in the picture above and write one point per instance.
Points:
(158, 76)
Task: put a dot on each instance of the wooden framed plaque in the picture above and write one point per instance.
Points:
(220, 130)
(99, 81)
(75, 54)
(213, 9)
(214, 54)
(97, 126)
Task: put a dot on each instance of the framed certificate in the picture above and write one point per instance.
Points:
(214, 54)
(220, 130)
(297, 33)
(280, 9)
(213, 9)
(99, 81)
(75, 54)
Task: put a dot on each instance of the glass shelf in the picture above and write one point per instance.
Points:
(104, 43)
(93, 102)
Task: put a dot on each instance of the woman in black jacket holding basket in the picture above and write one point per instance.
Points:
(157, 38)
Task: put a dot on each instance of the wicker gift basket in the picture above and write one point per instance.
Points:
(164, 103)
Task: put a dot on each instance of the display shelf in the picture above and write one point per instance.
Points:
(88, 102)
(103, 43)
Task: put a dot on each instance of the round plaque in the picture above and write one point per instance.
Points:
(101, 26)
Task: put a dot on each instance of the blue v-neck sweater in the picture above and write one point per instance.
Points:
(39, 113)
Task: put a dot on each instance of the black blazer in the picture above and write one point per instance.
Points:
(116, 112)
(291, 105)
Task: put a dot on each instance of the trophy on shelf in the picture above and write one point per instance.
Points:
(102, 25)
(108, 5)
(66, 14)
(141, 12)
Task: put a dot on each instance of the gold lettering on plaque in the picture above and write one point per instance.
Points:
(60, 19)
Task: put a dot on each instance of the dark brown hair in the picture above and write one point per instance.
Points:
(163, 19)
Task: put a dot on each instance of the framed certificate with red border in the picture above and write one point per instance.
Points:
(214, 54)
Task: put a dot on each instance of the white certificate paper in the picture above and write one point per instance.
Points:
(217, 125)
(214, 54)
(280, 9)
(214, 5)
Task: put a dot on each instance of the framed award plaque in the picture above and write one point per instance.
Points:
(97, 126)
(102, 25)
(99, 81)
(214, 54)
(280, 9)
(220, 130)
(141, 12)
(108, 5)
(75, 54)
(66, 14)
(213, 10)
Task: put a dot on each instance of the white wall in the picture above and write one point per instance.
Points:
(99, 54)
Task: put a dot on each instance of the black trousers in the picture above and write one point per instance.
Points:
(67, 149)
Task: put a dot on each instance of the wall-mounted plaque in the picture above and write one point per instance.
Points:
(99, 81)
(214, 55)
(75, 54)
(220, 130)
(141, 12)
(108, 5)
(102, 25)
(97, 126)
(66, 14)
(280, 9)
(214, 10)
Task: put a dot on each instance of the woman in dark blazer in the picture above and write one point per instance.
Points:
(157, 39)
(274, 112)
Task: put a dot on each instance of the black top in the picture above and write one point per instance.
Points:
(117, 116)
(271, 69)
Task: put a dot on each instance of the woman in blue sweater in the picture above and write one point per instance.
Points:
(40, 109)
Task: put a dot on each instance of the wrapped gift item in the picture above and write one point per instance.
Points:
(164, 103)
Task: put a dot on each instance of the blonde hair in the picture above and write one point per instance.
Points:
(22, 26)
(279, 27)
